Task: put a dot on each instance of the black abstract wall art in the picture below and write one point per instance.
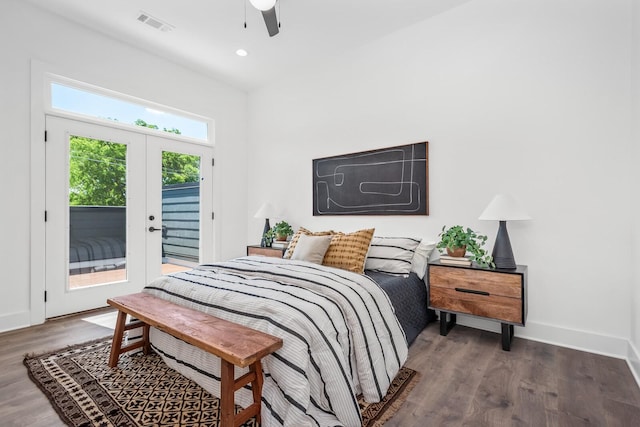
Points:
(387, 181)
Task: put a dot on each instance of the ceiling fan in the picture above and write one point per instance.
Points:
(268, 9)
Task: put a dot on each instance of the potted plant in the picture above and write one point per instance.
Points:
(268, 237)
(457, 241)
(282, 230)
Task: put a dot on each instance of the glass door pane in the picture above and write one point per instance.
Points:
(97, 212)
(180, 211)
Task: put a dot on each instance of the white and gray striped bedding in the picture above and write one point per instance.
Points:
(340, 335)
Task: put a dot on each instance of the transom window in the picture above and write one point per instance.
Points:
(97, 105)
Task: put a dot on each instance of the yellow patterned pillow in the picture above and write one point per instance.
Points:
(349, 251)
(294, 240)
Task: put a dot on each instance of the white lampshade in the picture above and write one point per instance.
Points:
(263, 4)
(504, 208)
(266, 211)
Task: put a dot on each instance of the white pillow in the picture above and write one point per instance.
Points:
(311, 248)
(392, 255)
(421, 257)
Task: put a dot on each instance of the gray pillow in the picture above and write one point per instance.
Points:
(311, 248)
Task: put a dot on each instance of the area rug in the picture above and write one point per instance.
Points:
(144, 391)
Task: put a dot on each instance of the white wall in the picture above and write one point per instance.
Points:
(526, 97)
(634, 351)
(31, 34)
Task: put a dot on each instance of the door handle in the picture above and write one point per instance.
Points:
(152, 229)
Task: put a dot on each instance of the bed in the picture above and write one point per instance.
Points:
(408, 296)
(341, 334)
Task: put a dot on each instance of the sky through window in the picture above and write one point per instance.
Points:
(100, 106)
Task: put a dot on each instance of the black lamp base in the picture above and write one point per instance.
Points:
(267, 227)
(502, 253)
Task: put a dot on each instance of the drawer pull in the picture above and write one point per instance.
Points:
(472, 291)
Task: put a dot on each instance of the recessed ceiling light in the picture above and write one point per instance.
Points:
(241, 52)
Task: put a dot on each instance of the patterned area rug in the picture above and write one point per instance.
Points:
(144, 391)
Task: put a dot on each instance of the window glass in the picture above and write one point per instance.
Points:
(97, 212)
(100, 106)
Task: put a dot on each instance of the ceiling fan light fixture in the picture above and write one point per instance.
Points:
(263, 4)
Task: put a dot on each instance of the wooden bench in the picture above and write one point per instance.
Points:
(236, 345)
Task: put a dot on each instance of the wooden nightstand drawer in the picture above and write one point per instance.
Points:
(461, 300)
(263, 251)
(506, 285)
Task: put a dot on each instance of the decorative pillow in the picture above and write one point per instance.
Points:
(311, 248)
(421, 257)
(294, 240)
(391, 255)
(349, 251)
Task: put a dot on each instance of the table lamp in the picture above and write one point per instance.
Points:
(266, 211)
(503, 208)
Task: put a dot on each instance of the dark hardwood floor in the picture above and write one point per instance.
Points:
(466, 380)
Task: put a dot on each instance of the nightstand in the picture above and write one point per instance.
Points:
(494, 294)
(263, 251)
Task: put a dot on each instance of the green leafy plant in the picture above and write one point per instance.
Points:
(459, 237)
(268, 237)
(282, 230)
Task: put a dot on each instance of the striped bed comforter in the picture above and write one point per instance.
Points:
(340, 334)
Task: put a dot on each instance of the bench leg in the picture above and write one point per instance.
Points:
(227, 405)
(117, 339)
(229, 385)
(256, 386)
(118, 336)
(145, 338)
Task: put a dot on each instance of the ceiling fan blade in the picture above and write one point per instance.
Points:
(271, 20)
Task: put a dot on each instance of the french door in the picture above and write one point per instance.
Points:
(179, 199)
(122, 208)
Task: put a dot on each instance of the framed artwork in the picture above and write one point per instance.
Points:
(387, 181)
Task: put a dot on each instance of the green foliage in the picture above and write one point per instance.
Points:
(176, 168)
(142, 123)
(98, 170)
(457, 237)
(268, 236)
(179, 168)
(282, 229)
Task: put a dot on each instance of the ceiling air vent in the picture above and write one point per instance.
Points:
(154, 22)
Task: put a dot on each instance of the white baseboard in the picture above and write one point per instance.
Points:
(576, 339)
(11, 321)
(571, 338)
(633, 359)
